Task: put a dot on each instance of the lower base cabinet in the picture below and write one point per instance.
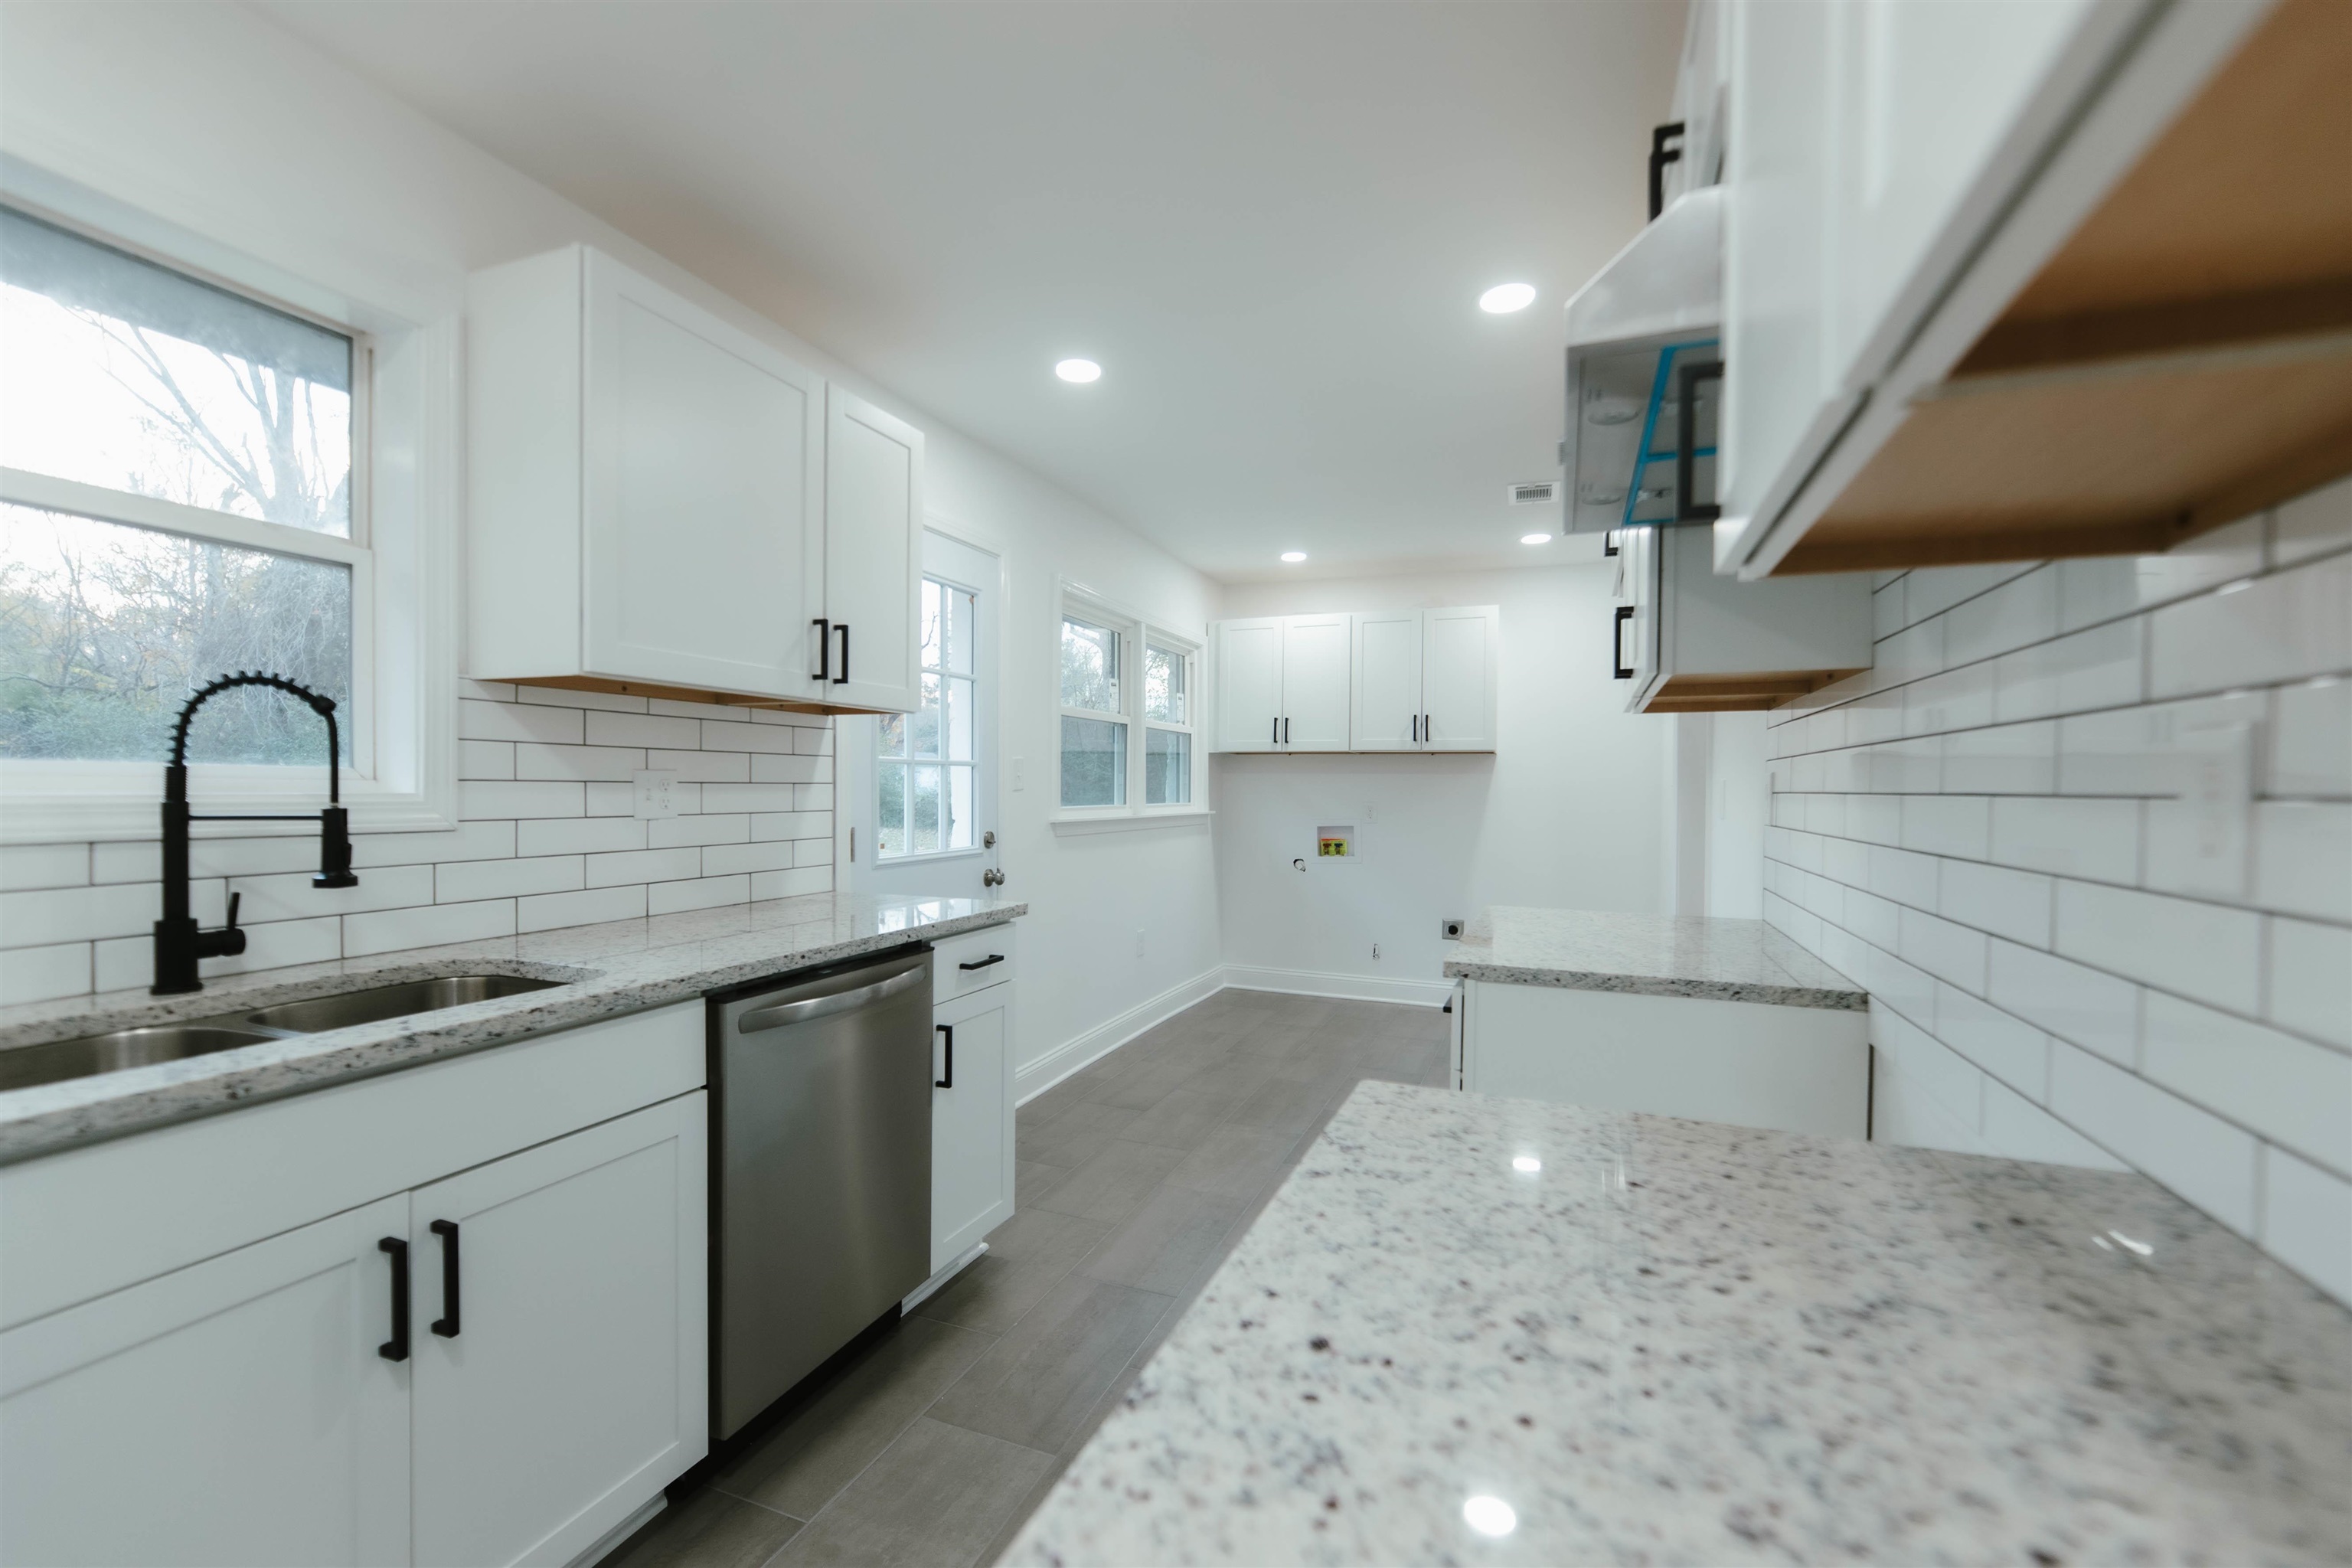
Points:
(972, 1121)
(1752, 1064)
(499, 1366)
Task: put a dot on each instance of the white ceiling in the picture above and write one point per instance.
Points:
(1270, 223)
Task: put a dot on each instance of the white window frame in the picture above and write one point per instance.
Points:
(1138, 633)
(1190, 727)
(405, 488)
(981, 696)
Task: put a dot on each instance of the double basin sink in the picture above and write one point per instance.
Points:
(56, 1061)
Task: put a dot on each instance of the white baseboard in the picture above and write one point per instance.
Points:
(1349, 987)
(929, 1288)
(1036, 1077)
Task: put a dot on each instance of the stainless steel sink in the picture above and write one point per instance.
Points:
(58, 1060)
(392, 1002)
(22, 1066)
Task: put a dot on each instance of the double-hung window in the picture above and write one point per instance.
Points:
(925, 760)
(1129, 694)
(182, 495)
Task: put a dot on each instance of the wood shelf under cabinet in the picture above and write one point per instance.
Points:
(672, 693)
(2183, 358)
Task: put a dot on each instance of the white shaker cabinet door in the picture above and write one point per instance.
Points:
(1315, 655)
(237, 1411)
(972, 1121)
(1249, 685)
(561, 1378)
(703, 462)
(873, 558)
(1460, 657)
(1387, 696)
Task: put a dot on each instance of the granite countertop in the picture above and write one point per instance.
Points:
(609, 970)
(1650, 955)
(1683, 1342)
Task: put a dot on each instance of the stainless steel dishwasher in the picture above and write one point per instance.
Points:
(821, 1170)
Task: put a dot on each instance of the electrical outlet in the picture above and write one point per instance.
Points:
(654, 800)
(1376, 950)
(1449, 930)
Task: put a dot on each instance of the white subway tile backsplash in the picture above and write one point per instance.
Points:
(2192, 948)
(2014, 904)
(793, 883)
(1951, 953)
(486, 759)
(547, 911)
(644, 729)
(703, 767)
(700, 893)
(464, 881)
(1872, 919)
(750, 738)
(1874, 819)
(2006, 759)
(755, 797)
(1877, 716)
(2104, 587)
(2021, 611)
(2286, 626)
(128, 962)
(48, 916)
(613, 798)
(794, 769)
(2303, 858)
(1957, 700)
(2008, 1049)
(1909, 654)
(725, 859)
(2092, 1009)
(289, 896)
(42, 974)
(480, 798)
(1933, 591)
(1886, 609)
(1903, 877)
(2307, 1221)
(2095, 668)
(725, 828)
(1945, 1077)
(2310, 980)
(606, 764)
(582, 834)
(2189, 1150)
(2312, 524)
(144, 862)
(27, 866)
(1900, 767)
(2097, 839)
(1899, 987)
(2288, 1089)
(389, 930)
(812, 853)
(705, 713)
(2144, 751)
(643, 866)
(514, 721)
(1948, 825)
(2017, 1129)
(489, 841)
(2311, 739)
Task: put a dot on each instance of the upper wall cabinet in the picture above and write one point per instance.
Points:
(1692, 642)
(661, 504)
(2016, 281)
(1386, 680)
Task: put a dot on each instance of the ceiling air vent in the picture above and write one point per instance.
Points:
(1541, 494)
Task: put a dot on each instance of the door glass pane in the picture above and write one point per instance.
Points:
(924, 723)
(1163, 684)
(105, 629)
(123, 373)
(923, 809)
(892, 827)
(960, 808)
(1094, 761)
(961, 609)
(1166, 767)
(957, 719)
(934, 628)
(1089, 665)
(891, 735)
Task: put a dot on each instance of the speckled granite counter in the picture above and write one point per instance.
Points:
(1652, 955)
(1681, 1342)
(622, 967)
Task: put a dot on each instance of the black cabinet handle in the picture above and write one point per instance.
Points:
(1425, 735)
(1286, 731)
(983, 962)
(1416, 726)
(1665, 149)
(823, 648)
(396, 1347)
(949, 1081)
(1687, 445)
(843, 678)
(1617, 644)
(445, 1325)
(1275, 739)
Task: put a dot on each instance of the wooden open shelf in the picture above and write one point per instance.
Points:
(1739, 693)
(2184, 358)
(673, 693)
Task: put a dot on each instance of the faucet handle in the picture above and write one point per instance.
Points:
(233, 899)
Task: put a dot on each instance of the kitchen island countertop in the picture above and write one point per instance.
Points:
(1652, 955)
(620, 967)
(1681, 1342)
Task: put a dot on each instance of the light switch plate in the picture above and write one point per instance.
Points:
(653, 799)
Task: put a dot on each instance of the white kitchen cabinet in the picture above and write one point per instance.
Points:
(1752, 1064)
(972, 1120)
(235, 1412)
(873, 559)
(1424, 680)
(1283, 683)
(561, 1330)
(645, 487)
(1697, 643)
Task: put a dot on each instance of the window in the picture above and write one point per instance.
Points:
(1168, 726)
(181, 498)
(925, 761)
(1118, 675)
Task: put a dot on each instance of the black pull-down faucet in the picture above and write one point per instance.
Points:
(179, 943)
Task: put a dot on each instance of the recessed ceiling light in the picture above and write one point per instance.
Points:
(1490, 1516)
(1078, 370)
(1294, 556)
(1527, 1163)
(1504, 298)
(1535, 539)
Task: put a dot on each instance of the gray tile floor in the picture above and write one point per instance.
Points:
(1137, 1175)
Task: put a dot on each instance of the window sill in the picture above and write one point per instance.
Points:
(931, 858)
(1129, 822)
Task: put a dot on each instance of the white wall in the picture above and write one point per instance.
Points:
(1569, 811)
(219, 124)
(1996, 831)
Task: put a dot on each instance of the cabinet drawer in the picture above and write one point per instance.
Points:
(962, 965)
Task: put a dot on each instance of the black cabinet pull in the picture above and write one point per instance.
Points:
(1425, 736)
(983, 962)
(445, 1325)
(823, 648)
(1286, 731)
(396, 1347)
(1617, 644)
(1686, 450)
(1275, 738)
(843, 678)
(1664, 148)
(949, 1081)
